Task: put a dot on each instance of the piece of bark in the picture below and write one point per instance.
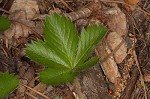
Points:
(114, 39)
(117, 21)
(113, 50)
(110, 51)
(109, 66)
(91, 84)
(84, 12)
(76, 15)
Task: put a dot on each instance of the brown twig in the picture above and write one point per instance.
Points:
(141, 76)
(136, 59)
(6, 4)
(134, 26)
(36, 91)
(1, 9)
(27, 93)
(65, 4)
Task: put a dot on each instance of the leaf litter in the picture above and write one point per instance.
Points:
(119, 24)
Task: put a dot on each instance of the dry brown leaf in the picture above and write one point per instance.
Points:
(132, 2)
(15, 31)
(29, 6)
(21, 27)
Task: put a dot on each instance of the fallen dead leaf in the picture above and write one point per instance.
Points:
(14, 32)
(21, 27)
(29, 6)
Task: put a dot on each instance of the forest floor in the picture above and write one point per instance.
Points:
(123, 71)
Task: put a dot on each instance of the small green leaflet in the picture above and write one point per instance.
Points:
(8, 83)
(4, 23)
(62, 52)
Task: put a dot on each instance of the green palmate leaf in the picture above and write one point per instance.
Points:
(89, 38)
(57, 76)
(4, 23)
(42, 53)
(61, 51)
(61, 36)
(87, 64)
(8, 83)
